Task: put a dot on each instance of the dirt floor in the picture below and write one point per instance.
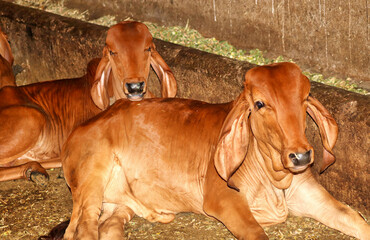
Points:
(28, 210)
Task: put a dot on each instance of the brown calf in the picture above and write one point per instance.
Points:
(245, 163)
(35, 120)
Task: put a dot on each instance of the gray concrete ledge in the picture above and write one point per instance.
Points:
(330, 37)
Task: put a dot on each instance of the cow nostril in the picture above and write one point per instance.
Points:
(300, 159)
(137, 87)
(293, 158)
(142, 84)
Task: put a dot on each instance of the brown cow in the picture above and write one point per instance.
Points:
(245, 163)
(6, 62)
(35, 120)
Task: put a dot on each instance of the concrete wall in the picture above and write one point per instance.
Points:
(47, 47)
(327, 36)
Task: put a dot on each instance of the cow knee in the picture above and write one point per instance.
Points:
(113, 220)
(112, 228)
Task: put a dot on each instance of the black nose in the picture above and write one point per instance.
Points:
(135, 88)
(301, 159)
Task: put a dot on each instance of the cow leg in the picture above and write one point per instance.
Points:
(231, 208)
(306, 197)
(31, 170)
(71, 229)
(87, 178)
(20, 129)
(112, 221)
(85, 214)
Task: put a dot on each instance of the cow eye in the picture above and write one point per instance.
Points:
(148, 49)
(259, 104)
(309, 95)
(112, 53)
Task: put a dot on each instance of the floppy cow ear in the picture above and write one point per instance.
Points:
(328, 130)
(164, 73)
(5, 50)
(232, 145)
(8, 54)
(99, 89)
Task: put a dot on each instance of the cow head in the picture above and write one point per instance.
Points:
(126, 61)
(270, 115)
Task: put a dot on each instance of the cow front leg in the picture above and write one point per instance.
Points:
(306, 197)
(87, 176)
(32, 171)
(231, 208)
(112, 221)
(87, 202)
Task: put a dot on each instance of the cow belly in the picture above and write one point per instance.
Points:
(38, 154)
(166, 199)
(149, 197)
(45, 149)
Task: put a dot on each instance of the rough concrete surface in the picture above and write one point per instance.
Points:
(331, 37)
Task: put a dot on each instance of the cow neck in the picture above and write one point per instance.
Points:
(264, 194)
(279, 178)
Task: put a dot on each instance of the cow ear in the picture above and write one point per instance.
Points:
(164, 73)
(328, 130)
(5, 50)
(99, 89)
(233, 141)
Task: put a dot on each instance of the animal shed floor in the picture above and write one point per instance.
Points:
(28, 211)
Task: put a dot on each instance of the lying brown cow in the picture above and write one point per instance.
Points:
(6, 62)
(245, 163)
(35, 120)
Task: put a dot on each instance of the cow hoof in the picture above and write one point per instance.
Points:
(38, 178)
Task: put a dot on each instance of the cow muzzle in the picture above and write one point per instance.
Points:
(135, 90)
(300, 160)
